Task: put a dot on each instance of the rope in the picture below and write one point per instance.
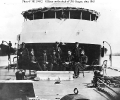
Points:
(108, 87)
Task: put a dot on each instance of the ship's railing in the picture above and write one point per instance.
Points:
(61, 13)
(102, 67)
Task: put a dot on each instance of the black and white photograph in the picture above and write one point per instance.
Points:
(59, 50)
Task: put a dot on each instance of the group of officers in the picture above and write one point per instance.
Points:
(75, 60)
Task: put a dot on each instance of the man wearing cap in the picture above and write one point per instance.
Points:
(82, 65)
(77, 55)
(77, 52)
(44, 58)
(54, 61)
(9, 50)
(69, 62)
(19, 56)
(58, 50)
(25, 57)
(33, 61)
(58, 54)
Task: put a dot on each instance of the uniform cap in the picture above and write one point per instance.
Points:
(23, 43)
(77, 42)
(54, 51)
(57, 42)
(44, 51)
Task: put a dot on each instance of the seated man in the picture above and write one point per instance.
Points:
(80, 66)
(33, 61)
(68, 66)
(32, 56)
(84, 59)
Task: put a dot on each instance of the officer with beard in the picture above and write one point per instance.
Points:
(45, 60)
(77, 52)
(82, 64)
(69, 62)
(54, 61)
(58, 51)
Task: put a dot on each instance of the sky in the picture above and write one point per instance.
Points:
(11, 19)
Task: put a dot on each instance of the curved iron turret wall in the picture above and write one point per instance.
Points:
(62, 23)
(52, 30)
(44, 26)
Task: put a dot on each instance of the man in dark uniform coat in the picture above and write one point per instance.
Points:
(84, 59)
(9, 50)
(77, 54)
(44, 58)
(25, 57)
(69, 62)
(54, 61)
(58, 51)
(34, 64)
(19, 56)
(82, 64)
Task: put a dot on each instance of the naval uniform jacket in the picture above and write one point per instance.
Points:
(77, 53)
(19, 53)
(44, 58)
(58, 52)
(69, 58)
(25, 53)
(84, 59)
(32, 57)
(54, 59)
(9, 49)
